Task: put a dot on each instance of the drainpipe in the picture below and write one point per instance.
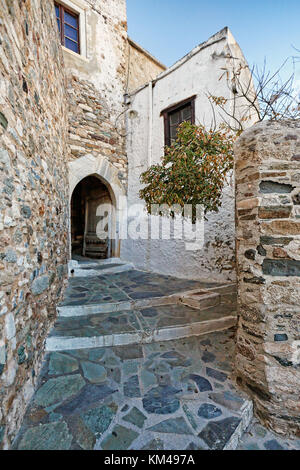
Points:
(150, 135)
(150, 123)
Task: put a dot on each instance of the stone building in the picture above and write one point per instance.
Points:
(184, 88)
(83, 111)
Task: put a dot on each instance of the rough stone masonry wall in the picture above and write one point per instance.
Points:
(142, 67)
(33, 203)
(268, 254)
(96, 86)
(92, 129)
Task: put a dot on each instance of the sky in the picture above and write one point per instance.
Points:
(263, 28)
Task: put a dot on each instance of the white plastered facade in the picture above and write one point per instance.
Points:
(201, 72)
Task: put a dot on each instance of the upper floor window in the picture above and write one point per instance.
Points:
(175, 115)
(68, 26)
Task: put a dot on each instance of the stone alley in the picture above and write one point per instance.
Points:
(174, 394)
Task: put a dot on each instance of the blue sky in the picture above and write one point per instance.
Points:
(263, 28)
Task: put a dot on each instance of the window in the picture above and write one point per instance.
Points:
(68, 26)
(175, 115)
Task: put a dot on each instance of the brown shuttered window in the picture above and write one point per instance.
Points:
(68, 27)
(175, 115)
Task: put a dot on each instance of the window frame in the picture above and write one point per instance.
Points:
(62, 10)
(166, 113)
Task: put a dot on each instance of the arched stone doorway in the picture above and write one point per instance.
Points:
(107, 174)
(91, 219)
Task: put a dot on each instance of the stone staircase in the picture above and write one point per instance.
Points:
(137, 317)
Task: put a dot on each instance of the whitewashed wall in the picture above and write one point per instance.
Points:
(199, 74)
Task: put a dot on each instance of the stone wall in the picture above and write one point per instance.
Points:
(34, 202)
(268, 254)
(96, 86)
(92, 129)
(143, 67)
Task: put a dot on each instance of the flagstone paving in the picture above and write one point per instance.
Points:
(171, 395)
(141, 320)
(130, 285)
(174, 395)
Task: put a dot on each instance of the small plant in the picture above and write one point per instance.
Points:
(193, 170)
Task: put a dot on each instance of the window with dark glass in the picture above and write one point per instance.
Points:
(175, 115)
(68, 27)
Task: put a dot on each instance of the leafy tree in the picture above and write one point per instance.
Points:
(192, 171)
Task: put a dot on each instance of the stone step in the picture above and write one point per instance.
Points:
(201, 299)
(138, 326)
(119, 306)
(99, 267)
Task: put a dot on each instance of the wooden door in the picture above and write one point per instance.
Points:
(97, 242)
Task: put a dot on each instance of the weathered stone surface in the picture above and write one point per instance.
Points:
(129, 352)
(83, 436)
(280, 337)
(275, 212)
(217, 433)
(60, 364)
(283, 241)
(58, 389)
(283, 268)
(268, 286)
(98, 419)
(216, 374)
(94, 373)
(40, 284)
(155, 444)
(161, 400)
(227, 399)
(269, 187)
(54, 436)
(135, 417)
(209, 411)
(132, 387)
(172, 426)
(273, 445)
(120, 439)
(202, 383)
(86, 399)
(3, 121)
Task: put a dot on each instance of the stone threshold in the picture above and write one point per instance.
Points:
(91, 268)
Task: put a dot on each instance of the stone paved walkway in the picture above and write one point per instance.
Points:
(130, 285)
(168, 395)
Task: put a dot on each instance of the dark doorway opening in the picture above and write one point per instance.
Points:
(91, 224)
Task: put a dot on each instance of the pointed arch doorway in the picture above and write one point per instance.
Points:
(91, 219)
(100, 168)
